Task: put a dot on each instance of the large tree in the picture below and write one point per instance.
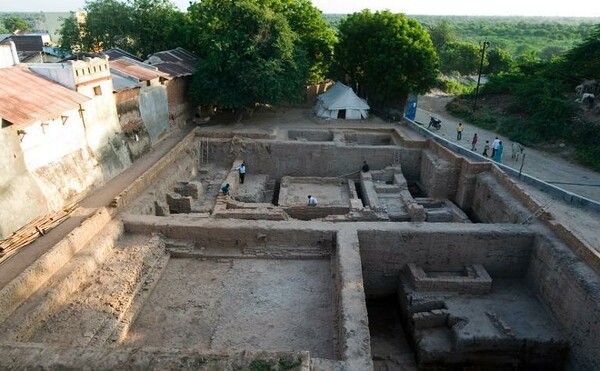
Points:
(316, 37)
(247, 56)
(138, 26)
(107, 25)
(71, 35)
(386, 55)
(155, 25)
(460, 57)
(14, 23)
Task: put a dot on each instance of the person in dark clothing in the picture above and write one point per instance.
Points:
(242, 170)
(365, 167)
(225, 189)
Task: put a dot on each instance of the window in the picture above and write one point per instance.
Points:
(97, 90)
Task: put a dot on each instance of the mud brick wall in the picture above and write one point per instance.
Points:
(493, 204)
(571, 290)
(504, 251)
(439, 176)
(179, 204)
(318, 159)
(239, 234)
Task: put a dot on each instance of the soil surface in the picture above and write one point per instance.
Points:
(240, 304)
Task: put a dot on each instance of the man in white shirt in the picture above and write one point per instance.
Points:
(495, 144)
(312, 201)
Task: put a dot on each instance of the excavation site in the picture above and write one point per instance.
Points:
(425, 260)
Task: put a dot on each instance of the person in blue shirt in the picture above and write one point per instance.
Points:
(312, 201)
(225, 189)
(242, 170)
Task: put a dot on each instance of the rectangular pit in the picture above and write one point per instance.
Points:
(236, 304)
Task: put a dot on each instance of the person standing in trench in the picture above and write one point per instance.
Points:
(242, 171)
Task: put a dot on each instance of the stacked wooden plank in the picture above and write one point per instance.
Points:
(31, 231)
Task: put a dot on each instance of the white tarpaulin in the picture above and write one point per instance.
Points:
(341, 102)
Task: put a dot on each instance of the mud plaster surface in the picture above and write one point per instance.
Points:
(240, 304)
(327, 194)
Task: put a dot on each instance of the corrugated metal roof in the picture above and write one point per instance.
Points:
(177, 62)
(116, 53)
(123, 83)
(135, 69)
(26, 97)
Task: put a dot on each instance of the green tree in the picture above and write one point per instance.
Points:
(315, 35)
(155, 25)
(247, 55)
(14, 23)
(107, 25)
(461, 57)
(387, 56)
(441, 34)
(71, 35)
(584, 60)
(499, 60)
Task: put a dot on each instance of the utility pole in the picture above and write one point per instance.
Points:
(484, 45)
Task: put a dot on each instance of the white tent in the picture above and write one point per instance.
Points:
(341, 102)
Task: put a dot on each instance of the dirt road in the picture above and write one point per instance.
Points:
(541, 165)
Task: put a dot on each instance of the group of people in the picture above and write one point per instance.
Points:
(497, 147)
(225, 188)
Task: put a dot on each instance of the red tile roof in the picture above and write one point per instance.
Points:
(26, 97)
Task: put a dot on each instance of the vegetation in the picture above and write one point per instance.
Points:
(248, 55)
(540, 111)
(386, 56)
(138, 26)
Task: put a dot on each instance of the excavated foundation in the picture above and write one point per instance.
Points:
(427, 261)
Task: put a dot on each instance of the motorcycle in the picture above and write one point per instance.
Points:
(435, 123)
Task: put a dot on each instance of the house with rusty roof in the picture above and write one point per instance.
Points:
(180, 65)
(60, 134)
(142, 102)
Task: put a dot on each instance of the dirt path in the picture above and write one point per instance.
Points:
(541, 165)
(97, 199)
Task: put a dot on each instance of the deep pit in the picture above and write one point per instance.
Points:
(423, 262)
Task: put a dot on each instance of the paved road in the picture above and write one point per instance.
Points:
(541, 165)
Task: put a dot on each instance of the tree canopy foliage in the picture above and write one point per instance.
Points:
(15, 23)
(247, 55)
(386, 55)
(542, 93)
(138, 26)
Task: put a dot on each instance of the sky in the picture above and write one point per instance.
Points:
(581, 8)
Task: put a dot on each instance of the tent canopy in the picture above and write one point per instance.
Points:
(340, 100)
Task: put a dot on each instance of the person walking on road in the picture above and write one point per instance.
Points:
(242, 170)
(495, 147)
(459, 131)
(474, 142)
(498, 152)
(486, 148)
